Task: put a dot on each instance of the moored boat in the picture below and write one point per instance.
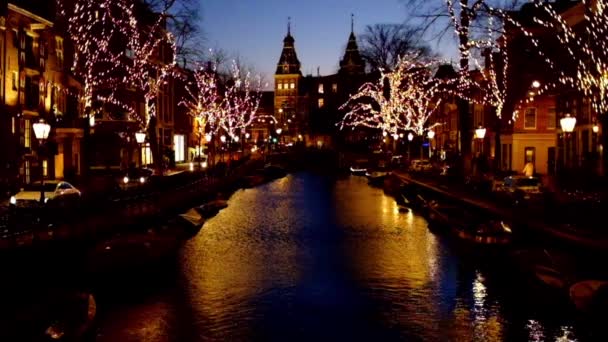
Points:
(211, 209)
(191, 221)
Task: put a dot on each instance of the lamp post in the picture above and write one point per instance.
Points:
(222, 140)
(430, 134)
(480, 133)
(41, 131)
(567, 124)
(140, 138)
(410, 137)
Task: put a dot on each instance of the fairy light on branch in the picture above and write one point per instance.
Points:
(401, 100)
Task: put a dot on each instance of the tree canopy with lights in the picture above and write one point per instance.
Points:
(401, 100)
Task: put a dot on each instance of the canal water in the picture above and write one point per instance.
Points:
(314, 258)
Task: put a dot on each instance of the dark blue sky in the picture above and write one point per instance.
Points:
(254, 29)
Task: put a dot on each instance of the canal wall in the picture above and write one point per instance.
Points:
(523, 221)
(130, 215)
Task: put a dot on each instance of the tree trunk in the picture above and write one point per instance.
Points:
(498, 146)
(157, 158)
(604, 142)
(463, 105)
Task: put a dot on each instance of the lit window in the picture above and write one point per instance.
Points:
(27, 172)
(551, 119)
(13, 128)
(530, 118)
(334, 87)
(292, 85)
(321, 88)
(59, 51)
(280, 86)
(15, 80)
(45, 168)
(27, 134)
(321, 103)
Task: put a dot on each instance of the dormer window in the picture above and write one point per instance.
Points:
(286, 68)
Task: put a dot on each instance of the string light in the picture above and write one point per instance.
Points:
(401, 100)
(231, 107)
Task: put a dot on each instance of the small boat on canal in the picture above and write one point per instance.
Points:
(468, 227)
(210, 209)
(376, 176)
(191, 221)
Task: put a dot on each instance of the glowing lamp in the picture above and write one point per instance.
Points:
(223, 138)
(247, 135)
(595, 128)
(430, 134)
(41, 130)
(384, 134)
(410, 136)
(236, 139)
(91, 120)
(567, 122)
(480, 132)
(140, 137)
(279, 131)
(535, 84)
(208, 137)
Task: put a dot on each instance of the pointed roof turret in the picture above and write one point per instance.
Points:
(288, 62)
(352, 63)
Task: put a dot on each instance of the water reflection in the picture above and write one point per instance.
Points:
(311, 258)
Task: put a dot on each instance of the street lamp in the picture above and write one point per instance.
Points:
(140, 138)
(410, 137)
(41, 131)
(430, 134)
(567, 123)
(535, 84)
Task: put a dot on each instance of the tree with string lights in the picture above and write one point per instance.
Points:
(92, 30)
(401, 100)
(229, 107)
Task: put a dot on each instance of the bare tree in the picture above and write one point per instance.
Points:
(183, 22)
(384, 44)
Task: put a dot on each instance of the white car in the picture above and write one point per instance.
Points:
(53, 191)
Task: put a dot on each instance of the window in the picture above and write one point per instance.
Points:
(45, 168)
(292, 85)
(15, 80)
(27, 134)
(280, 86)
(551, 118)
(530, 118)
(179, 142)
(59, 51)
(530, 155)
(321, 103)
(27, 172)
(334, 87)
(321, 88)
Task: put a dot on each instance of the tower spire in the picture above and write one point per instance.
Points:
(352, 23)
(288, 25)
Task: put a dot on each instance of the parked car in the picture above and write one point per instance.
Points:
(421, 165)
(199, 163)
(521, 186)
(135, 177)
(55, 192)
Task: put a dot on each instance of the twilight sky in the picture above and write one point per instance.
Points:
(254, 29)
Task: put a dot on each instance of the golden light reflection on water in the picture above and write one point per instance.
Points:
(260, 250)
